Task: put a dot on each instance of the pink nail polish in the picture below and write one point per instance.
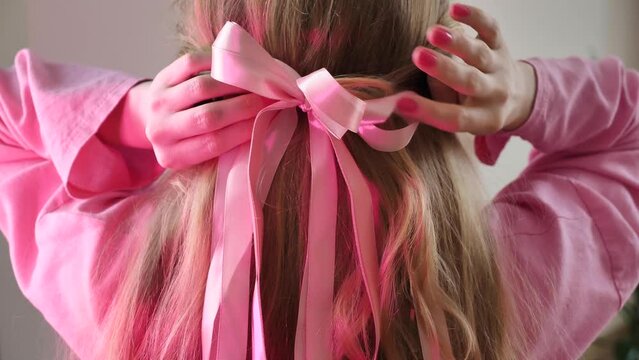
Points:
(407, 105)
(460, 11)
(427, 58)
(441, 37)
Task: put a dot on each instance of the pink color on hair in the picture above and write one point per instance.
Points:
(238, 60)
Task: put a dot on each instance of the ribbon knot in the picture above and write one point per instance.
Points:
(244, 177)
(306, 107)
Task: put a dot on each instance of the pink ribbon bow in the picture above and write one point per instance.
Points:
(244, 177)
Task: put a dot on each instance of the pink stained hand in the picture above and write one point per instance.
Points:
(184, 115)
(485, 93)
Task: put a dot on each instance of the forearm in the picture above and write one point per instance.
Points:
(526, 97)
(580, 106)
(125, 126)
(583, 106)
(572, 215)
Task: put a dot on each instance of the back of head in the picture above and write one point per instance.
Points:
(438, 262)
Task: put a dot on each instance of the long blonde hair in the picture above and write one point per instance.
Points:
(436, 251)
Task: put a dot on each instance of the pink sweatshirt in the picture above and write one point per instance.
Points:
(571, 218)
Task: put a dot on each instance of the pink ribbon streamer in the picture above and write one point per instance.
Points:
(244, 178)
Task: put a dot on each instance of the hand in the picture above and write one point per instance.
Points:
(488, 92)
(181, 115)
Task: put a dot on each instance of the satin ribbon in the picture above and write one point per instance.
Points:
(244, 178)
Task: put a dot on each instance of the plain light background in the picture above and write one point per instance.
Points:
(137, 36)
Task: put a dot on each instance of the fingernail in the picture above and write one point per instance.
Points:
(427, 58)
(460, 11)
(440, 36)
(407, 105)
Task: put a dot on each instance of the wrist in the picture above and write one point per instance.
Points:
(126, 125)
(526, 98)
(133, 131)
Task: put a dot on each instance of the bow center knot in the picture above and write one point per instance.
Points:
(305, 106)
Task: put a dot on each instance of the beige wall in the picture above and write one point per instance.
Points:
(13, 30)
(623, 28)
(136, 36)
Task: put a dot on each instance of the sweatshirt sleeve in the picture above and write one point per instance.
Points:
(59, 184)
(53, 111)
(571, 219)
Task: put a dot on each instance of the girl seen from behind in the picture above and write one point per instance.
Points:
(536, 275)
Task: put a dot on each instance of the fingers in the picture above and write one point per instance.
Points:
(474, 52)
(196, 90)
(464, 79)
(206, 118)
(440, 115)
(444, 116)
(205, 147)
(485, 25)
(184, 68)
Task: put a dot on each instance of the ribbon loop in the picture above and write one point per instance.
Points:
(240, 61)
(332, 105)
(244, 178)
